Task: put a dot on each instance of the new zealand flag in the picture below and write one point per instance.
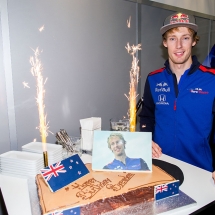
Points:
(166, 190)
(73, 211)
(61, 174)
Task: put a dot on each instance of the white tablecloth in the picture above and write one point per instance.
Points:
(20, 193)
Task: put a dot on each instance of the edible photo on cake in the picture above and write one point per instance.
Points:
(122, 151)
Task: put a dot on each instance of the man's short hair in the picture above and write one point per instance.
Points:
(115, 135)
(195, 37)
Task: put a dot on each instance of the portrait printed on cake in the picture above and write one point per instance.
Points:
(122, 151)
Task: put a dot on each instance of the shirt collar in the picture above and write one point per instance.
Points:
(194, 66)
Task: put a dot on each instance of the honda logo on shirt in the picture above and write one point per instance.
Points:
(162, 98)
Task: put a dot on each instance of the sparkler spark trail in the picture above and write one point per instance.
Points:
(134, 78)
(41, 28)
(129, 22)
(25, 84)
(36, 71)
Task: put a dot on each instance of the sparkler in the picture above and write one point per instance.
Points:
(36, 71)
(129, 22)
(25, 84)
(41, 28)
(134, 78)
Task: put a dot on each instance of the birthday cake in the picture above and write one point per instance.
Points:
(103, 192)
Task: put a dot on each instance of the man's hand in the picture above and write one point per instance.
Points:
(157, 152)
(213, 176)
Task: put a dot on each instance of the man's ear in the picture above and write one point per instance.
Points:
(164, 43)
(194, 43)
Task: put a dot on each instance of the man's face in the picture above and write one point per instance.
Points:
(117, 146)
(179, 44)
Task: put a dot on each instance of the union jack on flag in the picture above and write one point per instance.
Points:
(161, 188)
(64, 172)
(166, 190)
(53, 170)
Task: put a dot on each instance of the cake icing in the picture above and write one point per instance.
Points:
(99, 192)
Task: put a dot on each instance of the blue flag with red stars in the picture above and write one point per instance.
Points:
(73, 211)
(64, 172)
(166, 190)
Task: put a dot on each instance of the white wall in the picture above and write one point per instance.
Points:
(4, 108)
(84, 58)
(201, 6)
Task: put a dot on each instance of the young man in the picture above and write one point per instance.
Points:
(116, 143)
(179, 99)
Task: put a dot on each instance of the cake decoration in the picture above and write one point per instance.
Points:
(100, 192)
(121, 151)
(166, 190)
(134, 79)
(62, 173)
(36, 71)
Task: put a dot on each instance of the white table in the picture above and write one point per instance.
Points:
(198, 184)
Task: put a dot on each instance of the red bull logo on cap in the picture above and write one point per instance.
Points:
(179, 18)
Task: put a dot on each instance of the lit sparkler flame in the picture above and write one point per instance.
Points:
(25, 84)
(41, 28)
(134, 78)
(36, 71)
(129, 22)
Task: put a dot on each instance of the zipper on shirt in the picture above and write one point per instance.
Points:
(175, 104)
(176, 91)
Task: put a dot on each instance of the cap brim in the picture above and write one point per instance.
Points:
(169, 26)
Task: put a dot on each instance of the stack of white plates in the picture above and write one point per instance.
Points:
(18, 163)
(54, 151)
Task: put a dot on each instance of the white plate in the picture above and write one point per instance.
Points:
(52, 156)
(20, 172)
(37, 147)
(4, 166)
(27, 165)
(57, 152)
(22, 161)
(17, 156)
(17, 173)
(21, 164)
